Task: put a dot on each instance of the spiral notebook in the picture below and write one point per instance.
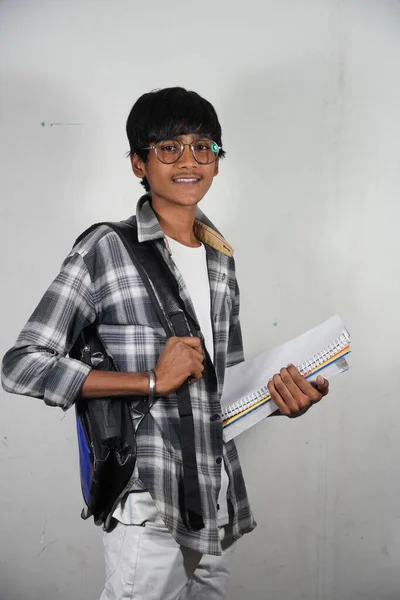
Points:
(246, 401)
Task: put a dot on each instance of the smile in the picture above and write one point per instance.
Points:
(186, 180)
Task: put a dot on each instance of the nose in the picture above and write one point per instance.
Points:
(187, 159)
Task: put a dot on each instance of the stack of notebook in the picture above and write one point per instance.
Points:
(246, 400)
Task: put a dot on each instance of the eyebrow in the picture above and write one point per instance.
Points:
(197, 136)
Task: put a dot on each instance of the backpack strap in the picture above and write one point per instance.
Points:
(164, 293)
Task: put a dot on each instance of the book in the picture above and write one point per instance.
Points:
(245, 399)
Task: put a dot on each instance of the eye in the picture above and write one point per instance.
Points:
(202, 146)
(169, 147)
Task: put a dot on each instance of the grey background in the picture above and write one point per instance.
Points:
(308, 95)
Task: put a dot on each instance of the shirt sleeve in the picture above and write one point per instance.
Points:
(38, 365)
(235, 343)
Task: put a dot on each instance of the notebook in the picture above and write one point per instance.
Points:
(245, 399)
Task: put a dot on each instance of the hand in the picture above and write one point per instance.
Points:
(293, 394)
(181, 360)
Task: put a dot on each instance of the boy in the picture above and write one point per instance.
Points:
(152, 553)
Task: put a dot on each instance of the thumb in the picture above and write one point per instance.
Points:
(322, 384)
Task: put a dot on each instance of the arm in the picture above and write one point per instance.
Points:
(38, 364)
(100, 384)
(181, 359)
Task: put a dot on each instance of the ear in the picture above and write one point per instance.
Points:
(216, 167)
(138, 166)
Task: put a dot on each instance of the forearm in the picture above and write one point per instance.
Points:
(33, 370)
(100, 384)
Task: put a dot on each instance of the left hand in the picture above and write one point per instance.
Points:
(293, 394)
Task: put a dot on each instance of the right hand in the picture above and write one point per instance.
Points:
(181, 360)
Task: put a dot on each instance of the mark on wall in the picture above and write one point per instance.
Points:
(43, 537)
(275, 323)
(46, 546)
(44, 124)
(44, 530)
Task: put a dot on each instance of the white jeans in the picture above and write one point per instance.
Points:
(144, 562)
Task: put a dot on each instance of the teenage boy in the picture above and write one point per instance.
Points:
(153, 553)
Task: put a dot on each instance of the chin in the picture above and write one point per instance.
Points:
(192, 202)
(186, 199)
(194, 195)
(180, 197)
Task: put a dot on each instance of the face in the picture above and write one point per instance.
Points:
(182, 183)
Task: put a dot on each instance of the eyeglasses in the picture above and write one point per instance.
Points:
(168, 152)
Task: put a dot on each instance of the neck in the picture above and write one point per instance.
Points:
(176, 221)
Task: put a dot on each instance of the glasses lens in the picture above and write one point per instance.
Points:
(169, 151)
(205, 151)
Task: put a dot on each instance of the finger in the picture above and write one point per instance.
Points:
(193, 342)
(196, 369)
(290, 400)
(198, 364)
(276, 398)
(194, 379)
(322, 385)
(194, 347)
(310, 391)
(197, 354)
(195, 376)
(300, 399)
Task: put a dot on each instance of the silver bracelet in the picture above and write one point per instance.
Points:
(152, 385)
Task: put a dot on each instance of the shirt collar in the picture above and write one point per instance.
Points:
(149, 227)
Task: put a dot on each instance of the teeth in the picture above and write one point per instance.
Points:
(186, 180)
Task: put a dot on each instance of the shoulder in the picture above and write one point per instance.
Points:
(97, 250)
(98, 238)
(90, 239)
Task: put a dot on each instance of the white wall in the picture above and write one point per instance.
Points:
(308, 94)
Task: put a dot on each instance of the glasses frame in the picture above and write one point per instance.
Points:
(183, 146)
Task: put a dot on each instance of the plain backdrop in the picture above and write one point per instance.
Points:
(308, 94)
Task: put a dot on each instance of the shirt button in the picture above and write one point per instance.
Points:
(215, 418)
(219, 460)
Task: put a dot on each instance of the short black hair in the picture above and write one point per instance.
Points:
(169, 113)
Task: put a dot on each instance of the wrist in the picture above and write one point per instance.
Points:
(158, 387)
(152, 385)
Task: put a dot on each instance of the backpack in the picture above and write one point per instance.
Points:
(105, 429)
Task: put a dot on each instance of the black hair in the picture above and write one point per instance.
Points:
(169, 113)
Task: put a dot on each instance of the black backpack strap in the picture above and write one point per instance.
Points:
(164, 293)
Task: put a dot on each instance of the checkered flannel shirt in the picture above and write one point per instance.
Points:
(98, 282)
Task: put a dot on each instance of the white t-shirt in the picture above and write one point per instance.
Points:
(192, 265)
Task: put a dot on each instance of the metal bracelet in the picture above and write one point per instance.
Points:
(152, 385)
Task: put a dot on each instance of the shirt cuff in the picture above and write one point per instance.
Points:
(67, 379)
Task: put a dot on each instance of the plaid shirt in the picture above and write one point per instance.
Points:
(98, 281)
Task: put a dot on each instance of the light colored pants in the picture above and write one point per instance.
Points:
(144, 562)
